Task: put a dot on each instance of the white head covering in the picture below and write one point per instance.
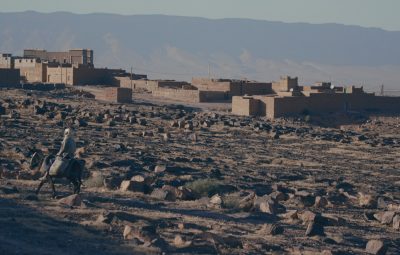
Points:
(67, 132)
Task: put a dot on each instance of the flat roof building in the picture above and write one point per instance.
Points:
(74, 56)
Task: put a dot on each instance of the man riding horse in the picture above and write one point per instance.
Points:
(68, 146)
(64, 165)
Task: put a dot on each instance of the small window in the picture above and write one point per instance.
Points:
(31, 60)
(20, 60)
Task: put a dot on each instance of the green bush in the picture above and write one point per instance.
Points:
(204, 187)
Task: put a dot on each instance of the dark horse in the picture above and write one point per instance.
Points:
(73, 173)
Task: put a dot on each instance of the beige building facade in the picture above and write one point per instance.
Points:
(73, 57)
(304, 100)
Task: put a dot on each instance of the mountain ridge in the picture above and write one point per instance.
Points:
(233, 47)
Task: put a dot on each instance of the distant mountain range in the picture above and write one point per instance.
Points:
(182, 47)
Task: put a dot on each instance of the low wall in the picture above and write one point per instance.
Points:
(43, 86)
(213, 96)
(330, 103)
(92, 76)
(9, 78)
(192, 96)
(178, 94)
(255, 88)
(318, 103)
(246, 106)
(115, 95)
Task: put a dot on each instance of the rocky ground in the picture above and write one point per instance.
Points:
(177, 180)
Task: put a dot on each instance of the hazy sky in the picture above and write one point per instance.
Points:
(367, 13)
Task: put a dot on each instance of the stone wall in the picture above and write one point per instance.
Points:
(317, 103)
(256, 88)
(192, 96)
(6, 61)
(115, 95)
(246, 106)
(80, 76)
(92, 76)
(43, 86)
(31, 70)
(233, 87)
(73, 57)
(213, 96)
(60, 75)
(9, 78)
(285, 84)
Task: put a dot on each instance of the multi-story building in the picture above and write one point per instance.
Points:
(74, 57)
(31, 69)
(6, 61)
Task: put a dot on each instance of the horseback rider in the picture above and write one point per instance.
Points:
(68, 146)
(65, 156)
(64, 165)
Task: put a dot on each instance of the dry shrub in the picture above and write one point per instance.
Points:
(204, 187)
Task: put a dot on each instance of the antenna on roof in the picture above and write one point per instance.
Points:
(209, 71)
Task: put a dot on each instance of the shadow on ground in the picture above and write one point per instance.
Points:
(26, 231)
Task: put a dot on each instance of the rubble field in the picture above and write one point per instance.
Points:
(172, 179)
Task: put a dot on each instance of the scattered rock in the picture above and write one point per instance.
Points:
(387, 217)
(268, 207)
(163, 194)
(376, 247)
(72, 201)
(160, 168)
(320, 202)
(137, 183)
(367, 200)
(314, 228)
(308, 216)
(396, 222)
(216, 201)
(145, 234)
(105, 217)
(180, 242)
(271, 229)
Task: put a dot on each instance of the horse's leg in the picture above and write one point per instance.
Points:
(42, 181)
(76, 177)
(76, 186)
(52, 186)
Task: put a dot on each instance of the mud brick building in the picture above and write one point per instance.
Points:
(6, 61)
(114, 95)
(190, 95)
(233, 87)
(31, 69)
(74, 56)
(291, 99)
(73, 67)
(81, 75)
(151, 85)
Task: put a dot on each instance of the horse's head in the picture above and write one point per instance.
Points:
(36, 160)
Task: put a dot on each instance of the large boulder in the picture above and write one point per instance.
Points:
(72, 201)
(376, 247)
